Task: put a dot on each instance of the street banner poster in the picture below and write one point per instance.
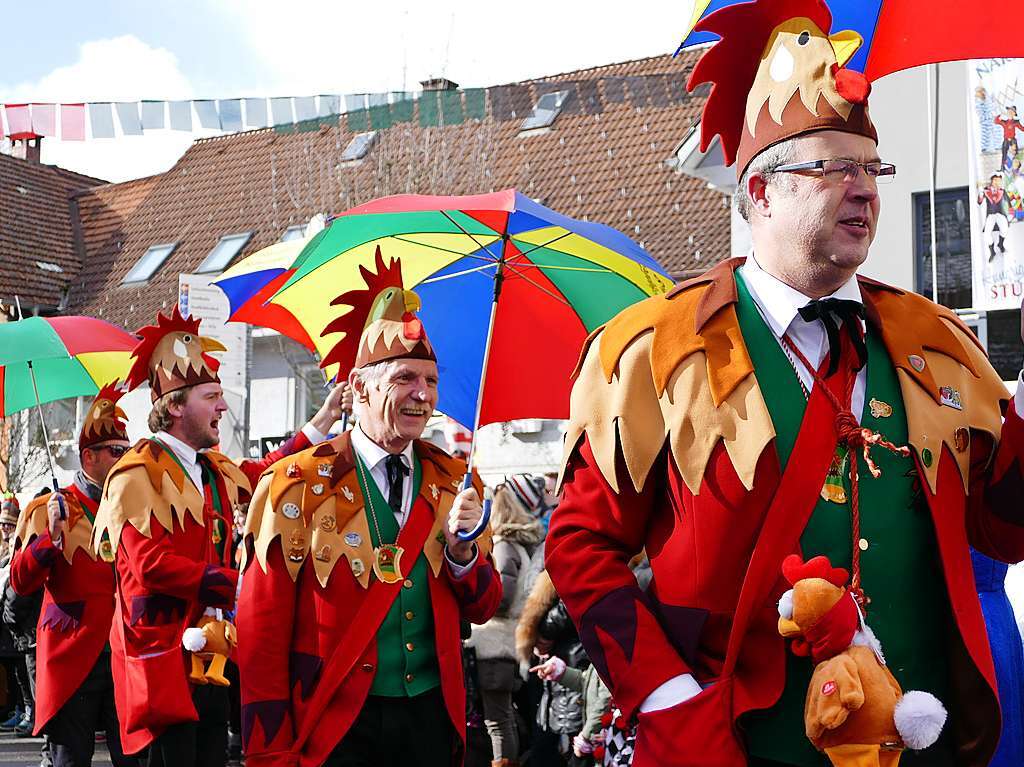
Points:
(996, 138)
(198, 297)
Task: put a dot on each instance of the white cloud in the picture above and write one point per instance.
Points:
(327, 46)
(117, 69)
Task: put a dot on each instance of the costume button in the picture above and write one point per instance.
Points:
(926, 457)
(409, 677)
(407, 584)
(409, 615)
(367, 667)
(410, 646)
(863, 544)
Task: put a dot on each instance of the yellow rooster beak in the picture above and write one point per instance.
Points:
(845, 44)
(788, 628)
(412, 301)
(119, 413)
(211, 345)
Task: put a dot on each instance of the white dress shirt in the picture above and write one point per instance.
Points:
(374, 458)
(780, 305)
(188, 455)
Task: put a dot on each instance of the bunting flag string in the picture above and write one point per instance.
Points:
(361, 111)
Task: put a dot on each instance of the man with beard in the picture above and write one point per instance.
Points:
(167, 511)
(355, 580)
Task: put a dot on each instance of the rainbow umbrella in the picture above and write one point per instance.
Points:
(69, 357)
(510, 291)
(43, 359)
(897, 34)
(251, 282)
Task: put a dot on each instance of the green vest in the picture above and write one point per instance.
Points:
(900, 569)
(406, 653)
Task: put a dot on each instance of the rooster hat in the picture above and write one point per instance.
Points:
(777, 73)
(172, 355)
(381, 323)
(105, 421)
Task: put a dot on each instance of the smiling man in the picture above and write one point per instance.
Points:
(165, 520)
(355, 580)
(779, 405)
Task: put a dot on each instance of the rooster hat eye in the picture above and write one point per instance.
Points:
(805, 37)
(187, 338)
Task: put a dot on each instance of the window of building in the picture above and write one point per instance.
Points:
(223, 252)
(952, 246)
(359, 146)
(294, 232)
(547, 109)
(151, 260)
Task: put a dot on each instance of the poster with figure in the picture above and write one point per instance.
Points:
(996, 136)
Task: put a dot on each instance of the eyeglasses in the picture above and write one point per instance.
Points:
(841, 170)
(115, 450)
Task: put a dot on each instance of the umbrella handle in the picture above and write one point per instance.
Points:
(60, 499)
(476, 532)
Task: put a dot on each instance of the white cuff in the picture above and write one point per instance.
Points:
(313, 434)
(674, 691)
(1018, 397)
(460, 571)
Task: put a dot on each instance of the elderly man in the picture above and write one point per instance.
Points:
(355, 580)
(165, 520)
(745, 403)
(53, 551)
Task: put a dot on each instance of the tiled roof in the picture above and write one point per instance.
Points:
(610, 165)
(38, 256)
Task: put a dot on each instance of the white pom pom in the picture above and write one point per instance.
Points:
(786, 605)
(193, 639)
(919, 719)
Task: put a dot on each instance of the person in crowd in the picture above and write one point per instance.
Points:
(516, 535)
(750, 407)
(13, 659)
(166, 516)
(355, 579)
(53, 552)
(595, 701)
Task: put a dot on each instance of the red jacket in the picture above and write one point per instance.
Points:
(702, 544)
(78, 598)
(164, 532)
(306, 613)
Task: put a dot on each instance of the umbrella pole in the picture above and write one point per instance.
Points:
(46, 440)
(467, 481)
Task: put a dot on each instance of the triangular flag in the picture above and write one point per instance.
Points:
(181, 115)
(281, 111)
(255, 113)
(230, 115)
(207, 112)
(153, 115)
(19, 121)
(44, 119)
(329, 105)
(72, 122)
(305, 108)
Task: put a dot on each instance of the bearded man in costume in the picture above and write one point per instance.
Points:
(355, 581)
(166, 516)
(53, 552)
(716, 427)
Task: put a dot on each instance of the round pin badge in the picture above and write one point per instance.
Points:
(353, 539)
(291, 511)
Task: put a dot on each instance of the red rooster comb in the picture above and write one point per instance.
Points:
(795, 569)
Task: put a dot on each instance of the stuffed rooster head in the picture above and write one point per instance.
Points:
(172, 355)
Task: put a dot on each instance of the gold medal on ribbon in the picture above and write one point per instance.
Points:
(106, 550)
(387, 562)
(833, 490)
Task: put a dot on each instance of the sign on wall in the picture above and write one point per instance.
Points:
(196, 296)
(996, 122)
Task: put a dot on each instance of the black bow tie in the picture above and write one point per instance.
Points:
(832, 312)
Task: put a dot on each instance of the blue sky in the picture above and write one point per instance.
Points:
(120, 50)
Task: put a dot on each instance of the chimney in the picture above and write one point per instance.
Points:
(27, 149)
(439, 84)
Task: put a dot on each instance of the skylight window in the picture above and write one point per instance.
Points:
(547, 109)
(359, 146)
(294, 232)
(223, 252)
(151, 260)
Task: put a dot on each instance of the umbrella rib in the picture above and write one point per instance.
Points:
(471, 236)
(542, 245)
(538, 286)
(488, 265)
(445, 250)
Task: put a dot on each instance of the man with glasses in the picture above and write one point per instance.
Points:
(746, 404)
(53, 552)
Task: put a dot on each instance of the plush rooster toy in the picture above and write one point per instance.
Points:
(855, 711)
